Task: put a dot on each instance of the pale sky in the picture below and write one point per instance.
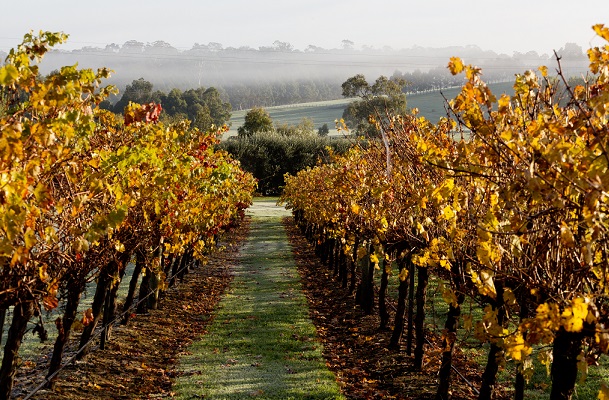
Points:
(502, 26)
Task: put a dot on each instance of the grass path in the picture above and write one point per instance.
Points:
(262, 343)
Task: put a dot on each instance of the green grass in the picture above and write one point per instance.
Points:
(322, 112)
(261, 343)
(430, 105)
(539, 385)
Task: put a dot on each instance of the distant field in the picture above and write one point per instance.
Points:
(321, 112)
(430, 105)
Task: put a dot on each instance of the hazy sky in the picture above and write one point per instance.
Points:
(503, 26)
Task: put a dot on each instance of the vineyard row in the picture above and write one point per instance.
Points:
(83, 192)
(506, 201)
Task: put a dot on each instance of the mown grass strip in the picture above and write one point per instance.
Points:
(262, 343)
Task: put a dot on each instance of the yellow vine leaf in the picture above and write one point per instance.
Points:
(601, 31)
(8, 75)
(449, 296)
(484, 254)
(516, 347)
(374, 258)
(603, 394)
(545, 358)
(118, 246)
(548, 315)
(445, 264)
(42, 273)
(509, 297)
(488, 286)
(566, 235)
(403, 274)
(448, 213)
(506, 134)
(29, 238)
(580, 308)
(484, 235)
(573, 317)
(455, 65)
(504, 104)
(420, 259)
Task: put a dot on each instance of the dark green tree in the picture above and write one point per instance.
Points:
(173, 103)
(384, 97)
(200, 116)
(140, 91)
(323, 130)
(202, 107)
(256, 120)
(269, 156)
(219, 110)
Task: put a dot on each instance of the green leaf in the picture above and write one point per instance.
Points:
(6, 248)
(40, 192)
(116, 217)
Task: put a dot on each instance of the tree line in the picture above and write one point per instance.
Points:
(202, 107)
(213, 64)
(214, 104)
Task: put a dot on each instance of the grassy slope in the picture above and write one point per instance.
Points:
(262, 343)
(323, 112)
(430, 105)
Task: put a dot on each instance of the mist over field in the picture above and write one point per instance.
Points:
(211, 64)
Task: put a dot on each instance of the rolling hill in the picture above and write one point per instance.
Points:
(430, 104)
